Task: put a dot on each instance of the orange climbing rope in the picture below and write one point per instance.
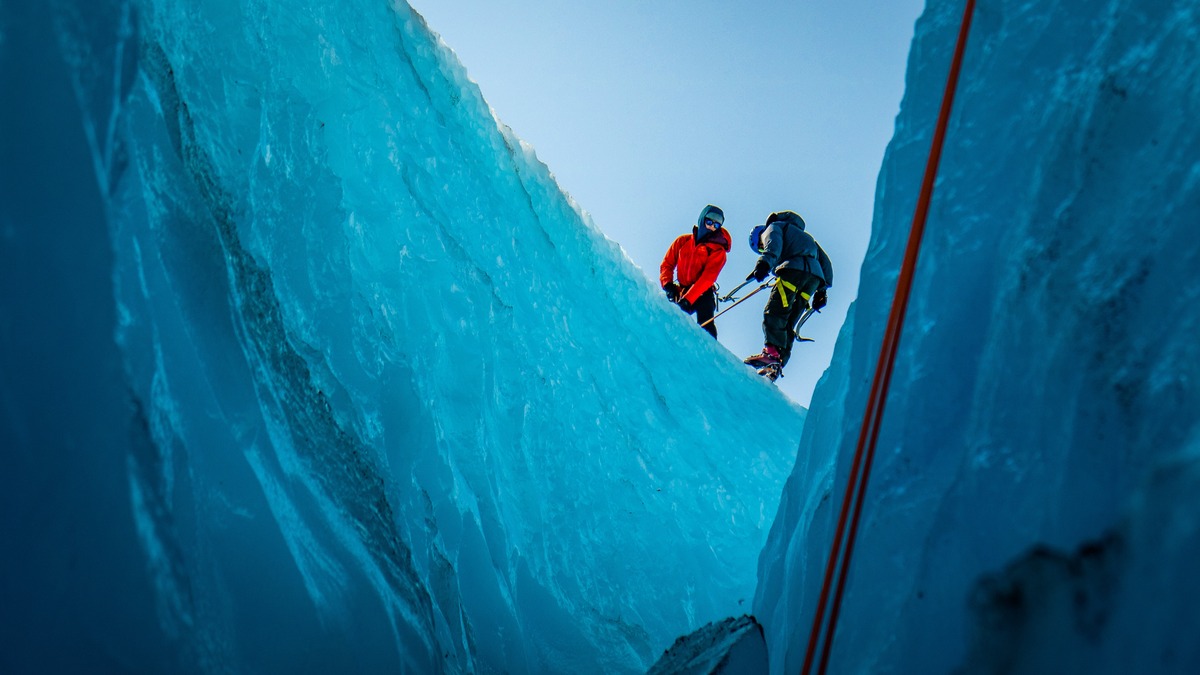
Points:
(864, 454)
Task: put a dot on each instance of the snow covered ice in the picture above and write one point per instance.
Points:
(309, 366)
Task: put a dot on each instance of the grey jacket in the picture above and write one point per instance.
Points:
(787, 245)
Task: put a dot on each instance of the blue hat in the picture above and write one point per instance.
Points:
(713, 213)
(756, 238)
(786, 216)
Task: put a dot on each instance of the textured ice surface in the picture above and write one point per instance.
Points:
(309, 365)
(1047, 382)
(396, 405)
(734, 646)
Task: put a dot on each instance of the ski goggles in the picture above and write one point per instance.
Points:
(714, 223)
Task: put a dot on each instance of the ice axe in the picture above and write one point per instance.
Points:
(796, 329)
(748, 295)
(729, 295)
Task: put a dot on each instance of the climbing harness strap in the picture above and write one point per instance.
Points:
(864, 453)
(790, 287)
(783, 294)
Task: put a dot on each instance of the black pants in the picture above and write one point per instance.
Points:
(787, 302)
(705, 306)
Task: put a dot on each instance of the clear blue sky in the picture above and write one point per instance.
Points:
(646, 110)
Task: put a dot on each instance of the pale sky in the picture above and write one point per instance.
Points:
(647, 110)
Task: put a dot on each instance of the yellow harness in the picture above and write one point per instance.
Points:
(789, 287)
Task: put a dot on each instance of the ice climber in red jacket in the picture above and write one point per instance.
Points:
(696, 259)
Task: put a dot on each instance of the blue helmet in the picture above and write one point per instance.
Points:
(756, 238)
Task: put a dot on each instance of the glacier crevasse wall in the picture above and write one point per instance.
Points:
(396, 402)
(1045, 400)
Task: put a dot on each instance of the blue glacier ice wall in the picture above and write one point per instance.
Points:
(1034, 502)
(368, 391)
(74, 594)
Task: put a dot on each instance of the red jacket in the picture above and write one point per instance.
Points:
(696, 264)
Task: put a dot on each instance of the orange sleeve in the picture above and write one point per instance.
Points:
(708, 277)
(666, 271)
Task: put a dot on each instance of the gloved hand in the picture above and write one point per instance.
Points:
(761, 270)
(686, 306)
(819, 300)
(672, 291)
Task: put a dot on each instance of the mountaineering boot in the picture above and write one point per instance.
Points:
(772, 371)
(768, 356)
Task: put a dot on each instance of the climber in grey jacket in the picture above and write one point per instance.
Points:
(803, 273)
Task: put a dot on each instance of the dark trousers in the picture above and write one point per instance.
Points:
(787, 302)
(705, 306)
